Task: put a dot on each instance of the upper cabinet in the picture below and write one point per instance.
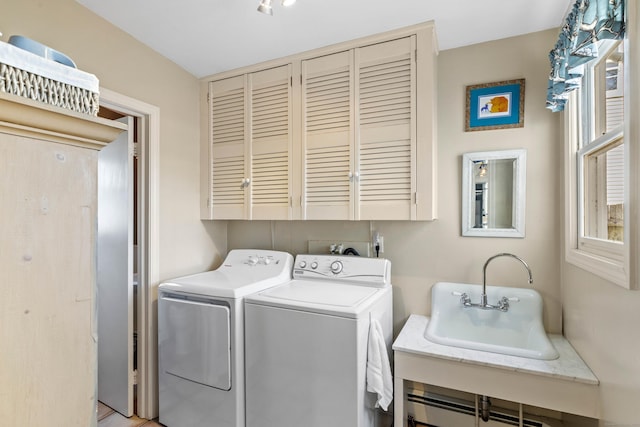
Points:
(250, 140)
(359, 139)
(328, 135)
(333, 134)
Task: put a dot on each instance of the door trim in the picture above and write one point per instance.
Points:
(147, 391)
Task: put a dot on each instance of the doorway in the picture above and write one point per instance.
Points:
(139, 331)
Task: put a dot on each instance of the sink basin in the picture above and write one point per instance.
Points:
(516, 332)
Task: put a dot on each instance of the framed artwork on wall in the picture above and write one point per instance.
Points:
(498, 105)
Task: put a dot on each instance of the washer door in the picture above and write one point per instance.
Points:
(195, 341)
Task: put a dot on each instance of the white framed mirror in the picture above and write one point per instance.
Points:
(494, 193)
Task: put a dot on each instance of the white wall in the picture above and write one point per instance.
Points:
(126, 66)
(424, 253)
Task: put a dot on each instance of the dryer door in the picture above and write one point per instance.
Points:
(194, 341)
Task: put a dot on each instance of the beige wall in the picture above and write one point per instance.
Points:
(602, 322)
(126, 66)
(424, 253)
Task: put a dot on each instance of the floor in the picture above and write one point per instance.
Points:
(107, 417)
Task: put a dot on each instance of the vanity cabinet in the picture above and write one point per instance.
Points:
(250, 138)
(358, 124)
(48, 198)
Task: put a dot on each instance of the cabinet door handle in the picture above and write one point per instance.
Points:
(351, 176)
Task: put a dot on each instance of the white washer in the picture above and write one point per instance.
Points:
(201, 338)
(306, 343)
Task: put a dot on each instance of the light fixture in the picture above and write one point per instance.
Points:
(265, 7)
(483, 169)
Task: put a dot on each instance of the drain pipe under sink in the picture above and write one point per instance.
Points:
(485, 408)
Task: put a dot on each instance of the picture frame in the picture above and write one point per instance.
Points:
(497, 105)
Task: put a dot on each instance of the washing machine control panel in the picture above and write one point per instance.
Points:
(374, 271)
(257, 258)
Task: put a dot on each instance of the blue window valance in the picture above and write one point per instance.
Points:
(587, 23)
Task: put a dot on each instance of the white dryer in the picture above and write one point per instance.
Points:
(306, 343)
(201, 338)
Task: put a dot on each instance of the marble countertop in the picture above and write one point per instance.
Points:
(569, 366)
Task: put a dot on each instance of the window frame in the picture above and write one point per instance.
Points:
(601, 246)
(593, 261)
(607, 259)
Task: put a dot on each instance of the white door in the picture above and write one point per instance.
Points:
(115, 273)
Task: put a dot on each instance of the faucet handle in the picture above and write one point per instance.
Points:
(464, 298)
(503, 304)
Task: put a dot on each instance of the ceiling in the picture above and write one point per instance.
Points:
(210, 36)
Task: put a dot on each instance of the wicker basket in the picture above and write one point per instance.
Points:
(23, 83)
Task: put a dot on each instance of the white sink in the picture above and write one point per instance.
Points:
(516, 332)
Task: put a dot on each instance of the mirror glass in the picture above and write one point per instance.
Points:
(493, 193)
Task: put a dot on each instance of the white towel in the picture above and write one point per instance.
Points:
(379, 378)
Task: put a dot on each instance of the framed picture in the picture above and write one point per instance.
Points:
(498, 105)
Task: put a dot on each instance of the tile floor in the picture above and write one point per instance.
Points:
(107, 417)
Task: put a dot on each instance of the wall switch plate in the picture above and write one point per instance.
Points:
(324, 246)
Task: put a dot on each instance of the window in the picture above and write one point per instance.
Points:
(598, 238)
(601, 156)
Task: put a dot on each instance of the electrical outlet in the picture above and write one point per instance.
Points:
(324, 246)
(378, 241)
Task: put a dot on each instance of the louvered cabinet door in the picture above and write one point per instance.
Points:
(270, 124)
(227, 113)
(328, 166)
(386, 130)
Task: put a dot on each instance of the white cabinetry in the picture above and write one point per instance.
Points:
(328, 131)
(250, 136)
(356, 120)
(48, 198)
(359, 144)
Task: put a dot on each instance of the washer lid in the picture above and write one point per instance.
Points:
(243, 272)
(326, 293)
(319, 296)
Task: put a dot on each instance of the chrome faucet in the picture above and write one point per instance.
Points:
(503, 304)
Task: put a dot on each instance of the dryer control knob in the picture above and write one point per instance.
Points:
(303, 264)
(252, 260)
(336, 267)
(314, 265)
